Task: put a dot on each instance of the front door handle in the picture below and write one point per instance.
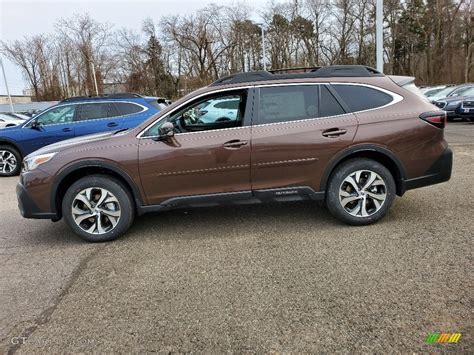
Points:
(67, 129)
(112, 124)
(234, 144)
(334, 132)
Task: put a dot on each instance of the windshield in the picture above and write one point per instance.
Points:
(432, 92)
(468, 92)
(443, 93)
(463, 91)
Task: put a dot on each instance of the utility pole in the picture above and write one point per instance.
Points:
(178, 84)
(246, 68)
(95, 77)
(264, 56)
(379, 35)
(6, 86)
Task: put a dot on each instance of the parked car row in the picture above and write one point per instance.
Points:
(73, 117)
(347, 135)
(456, 100)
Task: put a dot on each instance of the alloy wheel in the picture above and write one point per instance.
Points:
(362, 193)
(8, 162)
(96, 210)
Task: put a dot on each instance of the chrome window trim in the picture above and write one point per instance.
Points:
(396, 98)
(144, 109)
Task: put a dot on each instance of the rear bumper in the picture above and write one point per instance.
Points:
(28, 208)
(439, 172)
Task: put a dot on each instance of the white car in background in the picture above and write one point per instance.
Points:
(432, 90)
(10, 120)
(220, 110)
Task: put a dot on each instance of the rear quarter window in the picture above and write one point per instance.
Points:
(360, 98)
(128, 108)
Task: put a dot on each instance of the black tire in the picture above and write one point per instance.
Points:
(333, 199)
(113, 186)
(15, 171)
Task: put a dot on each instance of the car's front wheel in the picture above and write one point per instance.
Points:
(10, 161)
(98, 208)
(360, 192)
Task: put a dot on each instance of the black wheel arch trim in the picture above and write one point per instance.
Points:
(96, 163)
(361, 149)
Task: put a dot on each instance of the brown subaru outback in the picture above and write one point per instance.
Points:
(347, 135)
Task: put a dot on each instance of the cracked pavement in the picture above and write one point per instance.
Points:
(283, 278)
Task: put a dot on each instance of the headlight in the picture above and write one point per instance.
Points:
(36, 160)
(454, 103)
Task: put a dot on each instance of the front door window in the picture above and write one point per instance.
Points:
(212, 113)
(58, 115)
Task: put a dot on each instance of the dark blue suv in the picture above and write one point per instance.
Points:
(77, 116)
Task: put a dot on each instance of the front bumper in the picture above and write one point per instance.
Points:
(465, 112)
(439, 172)
(28, 208)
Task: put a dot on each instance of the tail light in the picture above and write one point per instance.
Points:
(436, 118)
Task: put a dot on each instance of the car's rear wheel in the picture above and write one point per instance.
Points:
(98, 208)
(10, 161)
(360, 192)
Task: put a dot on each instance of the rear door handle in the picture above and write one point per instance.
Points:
(112, 124)
(67, 129)
(234, 144)
(334, 132)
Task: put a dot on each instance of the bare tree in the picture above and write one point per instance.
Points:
(429, 39)
(91, 38)
(24, 54)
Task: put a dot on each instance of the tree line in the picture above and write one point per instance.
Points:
(429, 39)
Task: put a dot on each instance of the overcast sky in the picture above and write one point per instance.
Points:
(25, 18)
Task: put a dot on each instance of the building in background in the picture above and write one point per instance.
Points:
(24, 107)
(16, 99)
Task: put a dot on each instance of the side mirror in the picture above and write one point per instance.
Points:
(166, 131)
(34, 124)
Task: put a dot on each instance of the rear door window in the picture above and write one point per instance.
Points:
(127, 108)
(360, 98)
(287, 103)
(96, 111)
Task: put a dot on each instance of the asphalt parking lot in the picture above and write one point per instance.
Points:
(264, 278)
